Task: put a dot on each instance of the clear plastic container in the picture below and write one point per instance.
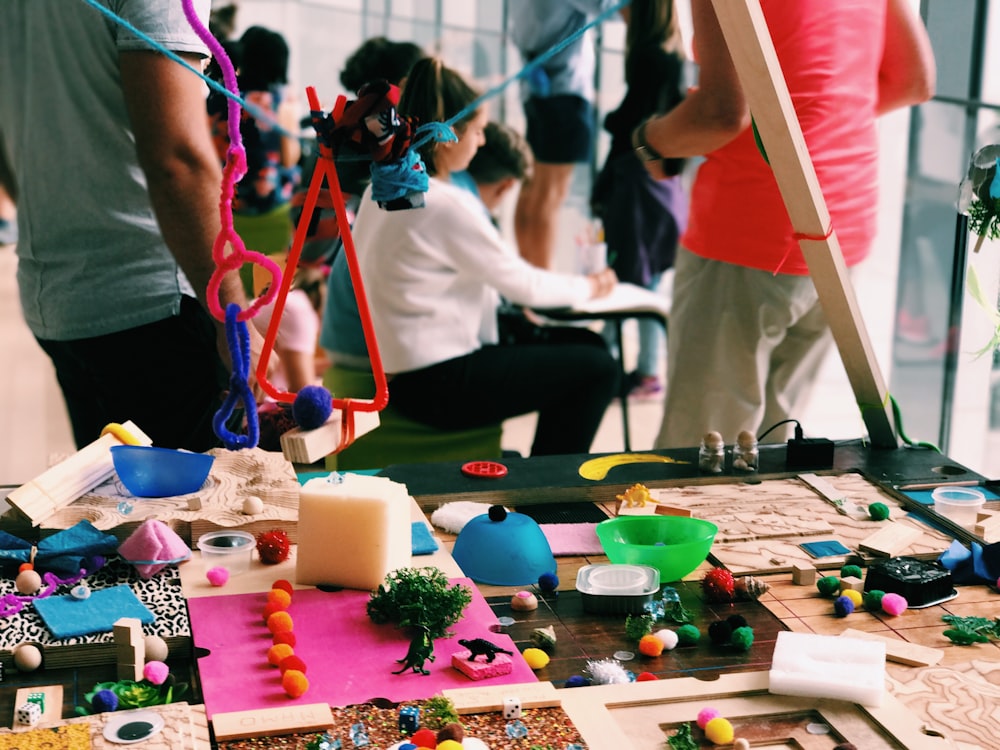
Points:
(959, 504)
(228, 549)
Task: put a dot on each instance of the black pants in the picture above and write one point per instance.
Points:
(166, 376)
(565, 374)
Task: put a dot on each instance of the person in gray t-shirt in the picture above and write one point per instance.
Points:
(118, 189)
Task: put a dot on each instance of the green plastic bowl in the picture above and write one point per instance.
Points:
(674, 545)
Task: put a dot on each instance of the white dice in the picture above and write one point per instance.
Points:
(28, 714)
(512, 707)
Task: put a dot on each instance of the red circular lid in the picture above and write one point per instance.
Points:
(486, 469)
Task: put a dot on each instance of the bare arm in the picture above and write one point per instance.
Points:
(166, 106)
(907, 75)
(713, 113)
(291, 148)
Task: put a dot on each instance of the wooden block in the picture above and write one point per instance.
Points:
(481, 669)
(853, 583)
(487, 698)
(804, 574)
(128, 632)
(890, 540)
(63, 483)
(987, 527)
(129, 671)
(901, 652)
(53, 701)
(309, 446)
(623, 509)
(268, 722)
(670, 510)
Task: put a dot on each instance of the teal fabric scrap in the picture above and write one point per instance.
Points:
(830, 548)
(422, 540)
(68, 617)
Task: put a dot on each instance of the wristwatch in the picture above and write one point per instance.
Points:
(642, 149)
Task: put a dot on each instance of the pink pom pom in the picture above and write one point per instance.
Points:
(217, 576)
(706, 715)
(155, 672)
(894, 604)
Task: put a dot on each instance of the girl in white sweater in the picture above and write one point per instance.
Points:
(434, 276)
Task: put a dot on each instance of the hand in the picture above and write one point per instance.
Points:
(602, 282)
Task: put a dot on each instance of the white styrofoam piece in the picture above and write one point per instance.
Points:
(822, 666)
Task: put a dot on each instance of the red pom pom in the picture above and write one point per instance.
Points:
(719, 585)
(273, 546)
(284, 636)
(424, 738)
(292, 662)
(284, 585)
(646, 677)
(270, 608)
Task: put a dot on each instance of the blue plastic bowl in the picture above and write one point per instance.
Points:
(511, 552)
(147, 471)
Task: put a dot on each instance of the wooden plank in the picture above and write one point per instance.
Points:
(60, 485)
(890, 540)
(268, 722)
(309, 446)
(899, 651)
(987, 527)
(480, 700)
(756, 63)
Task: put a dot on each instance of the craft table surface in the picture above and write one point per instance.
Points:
(955, 696)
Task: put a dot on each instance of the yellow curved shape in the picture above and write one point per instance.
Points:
(598, 468)
(123, 435)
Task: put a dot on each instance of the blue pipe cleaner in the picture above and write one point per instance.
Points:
(238, 339)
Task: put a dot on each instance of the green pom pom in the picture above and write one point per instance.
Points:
(687, 635)
(828, 585)
(851, 570)
(878, 511)
(873, 600)
(742, 638)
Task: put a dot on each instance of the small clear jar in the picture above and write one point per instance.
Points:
(746, 454)
(712, 453)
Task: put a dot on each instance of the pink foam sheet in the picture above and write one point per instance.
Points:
(572, 539)
(349, 659)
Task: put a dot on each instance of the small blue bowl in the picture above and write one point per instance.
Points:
(147, 471)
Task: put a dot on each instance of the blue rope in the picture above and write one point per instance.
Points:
(526, 71)
(251, 108)
(530, 68)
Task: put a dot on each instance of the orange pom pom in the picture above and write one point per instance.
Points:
(280, 597)
(279, 621)
(284, 636)
(25, 566)
(650, 645)
(276, 653)
(294, 683)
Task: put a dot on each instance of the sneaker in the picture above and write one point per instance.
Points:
(644, 387)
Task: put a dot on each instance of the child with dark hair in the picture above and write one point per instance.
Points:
(434, 276)
(379, 58)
